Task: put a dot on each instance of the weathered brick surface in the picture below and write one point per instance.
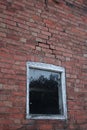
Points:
(57, 34)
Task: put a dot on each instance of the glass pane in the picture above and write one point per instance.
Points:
(44, 92)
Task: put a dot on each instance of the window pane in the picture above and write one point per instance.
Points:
(44, 92)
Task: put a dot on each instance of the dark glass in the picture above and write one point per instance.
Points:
(44, 95)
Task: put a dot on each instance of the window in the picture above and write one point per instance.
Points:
(46, 91)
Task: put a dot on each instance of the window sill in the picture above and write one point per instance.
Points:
(51, 117)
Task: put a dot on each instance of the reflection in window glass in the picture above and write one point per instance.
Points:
(44, 92)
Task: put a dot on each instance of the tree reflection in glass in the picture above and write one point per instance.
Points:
(44, 92)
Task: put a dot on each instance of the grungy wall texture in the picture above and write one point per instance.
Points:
(55, 34)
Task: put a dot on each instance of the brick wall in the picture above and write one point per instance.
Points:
(54, 34)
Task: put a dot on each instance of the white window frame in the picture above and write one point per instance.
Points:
(50, 67)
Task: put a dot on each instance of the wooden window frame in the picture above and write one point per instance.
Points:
(47, 67)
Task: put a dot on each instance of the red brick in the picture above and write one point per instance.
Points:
(43, 36)
(50, 55)
(46, 33)
(43, 45)
(2, 34)
(47, 50)
(35, 29)
(6, 21)
(6, 104)
(40, 40)
(47, 127)
(7, 71)
(5, 65)
(49, 23)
